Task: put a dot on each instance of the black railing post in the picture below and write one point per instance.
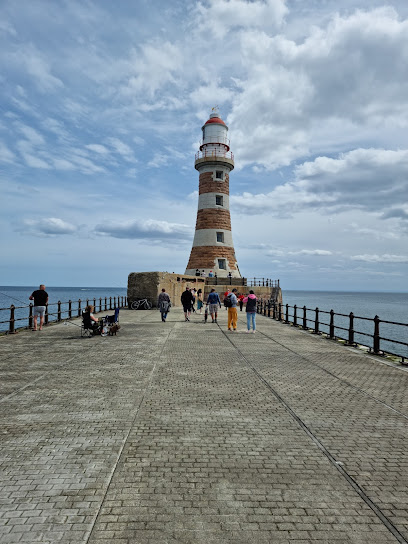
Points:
(100, 304)
(46, 315)
(351, 330)
(295, 316)
(110, 303)
(30, 317)
(269, 308)
(106, 304)
(11, 322)
(263, 282)
(94, 304)
(304, 318)
(114, 301)
(331, 329)
(69, 309)
(280, 312)
(287, 314)
(376, 345)
(79, 308)
(316, 325)
(274, 310)
(59, 311)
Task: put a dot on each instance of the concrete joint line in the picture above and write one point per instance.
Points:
(14, 393)
(377, 511)
(124, 441)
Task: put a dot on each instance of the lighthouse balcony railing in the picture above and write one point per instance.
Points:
(214, 153)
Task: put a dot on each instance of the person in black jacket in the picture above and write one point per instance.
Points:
(187, 302)
(40, 297)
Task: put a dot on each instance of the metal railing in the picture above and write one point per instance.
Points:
(214, 153)
(249, 282)
(62, 312)
(343, 327)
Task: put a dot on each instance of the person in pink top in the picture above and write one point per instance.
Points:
(250, 309)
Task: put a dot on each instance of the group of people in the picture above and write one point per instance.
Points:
(213, 303)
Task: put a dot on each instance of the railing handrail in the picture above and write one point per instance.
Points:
(101, 304)
(314, 324)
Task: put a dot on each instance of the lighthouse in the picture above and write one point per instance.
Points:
(213, 248)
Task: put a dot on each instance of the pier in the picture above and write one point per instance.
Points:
(186, 433)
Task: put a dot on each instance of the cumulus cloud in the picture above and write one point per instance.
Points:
(221, 16)
(367, 179)
(149, 229)
(340, 82)
(51, 226)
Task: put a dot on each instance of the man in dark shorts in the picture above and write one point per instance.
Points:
(187, 299)
(40, 298)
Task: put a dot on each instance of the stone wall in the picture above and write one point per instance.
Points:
(149, 285)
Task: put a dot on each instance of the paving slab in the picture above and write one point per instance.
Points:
(184, 432)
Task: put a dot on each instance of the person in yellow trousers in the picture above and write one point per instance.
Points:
(232, 303)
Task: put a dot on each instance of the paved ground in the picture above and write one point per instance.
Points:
(185, 433)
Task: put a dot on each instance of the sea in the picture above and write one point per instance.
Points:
(389, 307)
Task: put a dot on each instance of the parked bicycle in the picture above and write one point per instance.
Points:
(142, 304)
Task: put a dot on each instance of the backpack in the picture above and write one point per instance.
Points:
(227, 301)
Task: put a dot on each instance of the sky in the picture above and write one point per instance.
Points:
(102, 105)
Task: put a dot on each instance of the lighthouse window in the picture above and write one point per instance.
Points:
(219, 174)
(221, 264)
(220, 237)
(219, 200)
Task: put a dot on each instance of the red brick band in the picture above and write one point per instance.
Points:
(210, 218)
(206, 257)
(208, 185)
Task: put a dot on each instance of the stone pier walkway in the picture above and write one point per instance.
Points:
(185, 433)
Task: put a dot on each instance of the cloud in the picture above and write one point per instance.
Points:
(97, 148)
(222, 16)
(337, 83)
(5, 154)
(148, 229)
(306, 252)
(365, 179)
(122, 149)
(51, 226)
(380, 258)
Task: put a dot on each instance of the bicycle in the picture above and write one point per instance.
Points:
(142, 304)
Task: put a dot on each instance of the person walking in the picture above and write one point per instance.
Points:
(194, 293)
(226, 294)
(163, 304)
(187, 302)
(40, 297)
(232, 310)
(250, 309)
(214, 302)
(200, 301)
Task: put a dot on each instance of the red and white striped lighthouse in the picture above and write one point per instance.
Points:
(213, 248)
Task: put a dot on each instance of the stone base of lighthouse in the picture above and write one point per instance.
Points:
(206, 258)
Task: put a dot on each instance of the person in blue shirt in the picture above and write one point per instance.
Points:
(214, 302)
